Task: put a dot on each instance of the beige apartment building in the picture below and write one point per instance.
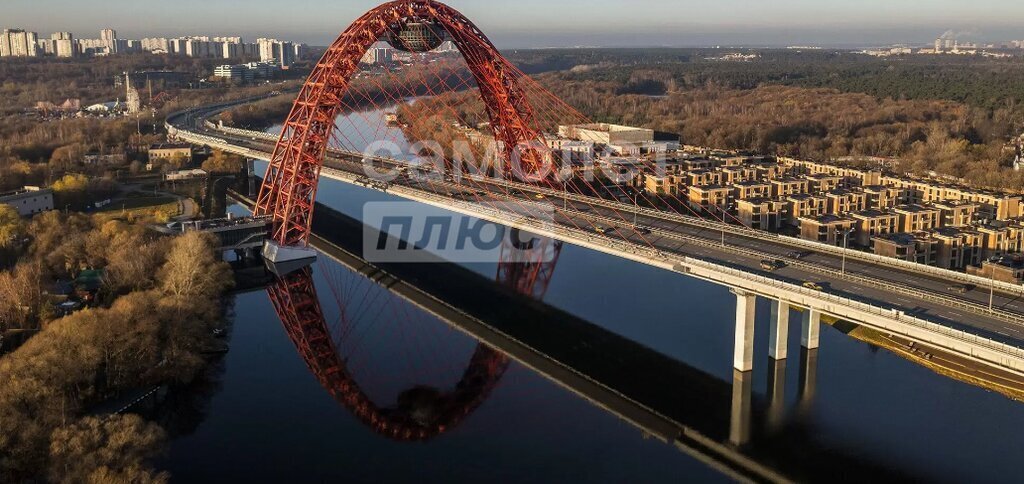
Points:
(823, 182)
(1001, 237)
(752, 189)
(696, 178)
(913, 247)
(957, 248)
(957, 213)
(669, 185)
(709, 197)
(872, 223)
(761, 213)
(918, 218)
(884, 197)
(786, 186)
(805, 206)
(841, 201)
(828, 229)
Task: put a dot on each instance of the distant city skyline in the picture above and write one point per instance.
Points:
(536, 23)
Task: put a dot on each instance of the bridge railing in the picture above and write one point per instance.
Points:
(638, 251)
(795, 242)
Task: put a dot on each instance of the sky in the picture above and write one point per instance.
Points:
(550, 23)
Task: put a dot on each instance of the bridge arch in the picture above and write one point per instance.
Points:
(289, 189)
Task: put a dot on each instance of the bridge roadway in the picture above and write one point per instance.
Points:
(890, 298)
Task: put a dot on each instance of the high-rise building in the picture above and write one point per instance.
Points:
(63, 44)
(273, 50)
(19, 43)
(109, 38)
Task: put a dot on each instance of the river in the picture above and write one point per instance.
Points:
(270, 420)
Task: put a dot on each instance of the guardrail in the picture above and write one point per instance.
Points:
(642, 252)
(910, 291)
(947, 274)
(566, 233)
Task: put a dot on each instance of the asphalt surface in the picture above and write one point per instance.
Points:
(923, 295)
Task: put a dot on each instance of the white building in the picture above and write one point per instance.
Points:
(19, 43)
(29, 200)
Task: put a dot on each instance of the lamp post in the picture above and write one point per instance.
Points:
(846, 238)
(725, 208)
(992, 287)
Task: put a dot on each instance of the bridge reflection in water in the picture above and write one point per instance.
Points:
(721, 423)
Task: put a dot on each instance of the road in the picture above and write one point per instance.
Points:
(919, 294)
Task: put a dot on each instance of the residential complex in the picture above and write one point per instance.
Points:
(20, 43)
(922, 220)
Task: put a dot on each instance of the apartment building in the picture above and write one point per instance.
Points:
(804, 205)
(918, 218)
(872, 223)
(823, 182)
(828, 229)
(841, 201)
(1001, 237)
(703, 177)
(957, 213)
(917, 247)
(957, 248)
(738, 174)
(786, 186)
(761, 213)
(713, 198)
(668, 185)
(884, 197)
(752, 189)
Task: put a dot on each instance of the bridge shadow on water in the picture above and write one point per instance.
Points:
(722, 423)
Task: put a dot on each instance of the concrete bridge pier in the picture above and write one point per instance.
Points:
(743, 355)
(778, 342)
(811, 328)
(740, 417)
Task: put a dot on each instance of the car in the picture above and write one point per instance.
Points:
(539, 196)
(796, 254)
(958, 288)
(640, 229)
(771, 265)
(813, 286)
(602, 229)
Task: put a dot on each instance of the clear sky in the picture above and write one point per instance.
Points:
(543, 23)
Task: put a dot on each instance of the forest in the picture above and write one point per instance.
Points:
(150, 325)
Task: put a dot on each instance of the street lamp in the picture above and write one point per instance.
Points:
(725, 208)
(846, 238)
(992, 286)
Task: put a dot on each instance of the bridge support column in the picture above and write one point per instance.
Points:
(811, 328)
(743, 356)
(739, 420)
(779, 330)
(776, 392)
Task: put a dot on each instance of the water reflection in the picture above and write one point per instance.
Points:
(422, 411)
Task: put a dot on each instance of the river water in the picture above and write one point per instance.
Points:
(270, 420)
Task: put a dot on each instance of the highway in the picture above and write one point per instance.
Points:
(925, 295)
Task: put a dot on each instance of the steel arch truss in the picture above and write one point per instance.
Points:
(289, 189)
